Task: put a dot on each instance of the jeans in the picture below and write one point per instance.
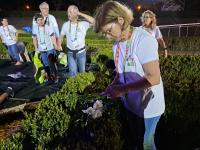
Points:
(45, 55)
(76, 64)
(139, 132)
(150, 128)
(12, 50)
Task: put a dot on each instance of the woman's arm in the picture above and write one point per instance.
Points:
(151, 77)
(163, 45)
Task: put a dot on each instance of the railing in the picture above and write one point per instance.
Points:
(189, 29)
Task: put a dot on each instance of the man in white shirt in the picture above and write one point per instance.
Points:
(75, 32)
(9, 37)
(50, 20)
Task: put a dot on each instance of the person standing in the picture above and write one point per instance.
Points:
(50, 20)
(138, 81)
(75, 32)
(44, 42)
(9, 36)
(149, 23)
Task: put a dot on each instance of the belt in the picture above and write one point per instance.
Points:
(75, 51)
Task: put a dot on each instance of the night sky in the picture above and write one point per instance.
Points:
(88, 5)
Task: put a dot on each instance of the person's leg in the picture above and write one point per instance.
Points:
(52, 64)
(81, 60)
(45, 62)
(15, 54)
(72, 64)
(21, 50)
(9, 48)
(150, 128)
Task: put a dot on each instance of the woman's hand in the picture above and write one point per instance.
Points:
(115, 90)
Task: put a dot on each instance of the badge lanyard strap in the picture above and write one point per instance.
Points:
(75, 32)
(8, 32)
(41, 35)
(128, 43)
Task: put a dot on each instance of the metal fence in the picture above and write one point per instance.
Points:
(189, 29)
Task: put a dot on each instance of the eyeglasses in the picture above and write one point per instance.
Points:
(109, 31)
(146, 17)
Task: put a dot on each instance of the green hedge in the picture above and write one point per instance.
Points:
(58, 121)
(183, 43)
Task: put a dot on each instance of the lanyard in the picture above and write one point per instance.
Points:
(41, 41)
(128, 43)
(8, 32)
(47, 21)
(75, 38)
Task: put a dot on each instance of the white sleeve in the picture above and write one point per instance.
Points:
(64, 29)
(50, 30)
(158, 34)
(147, 50)
(55, 26)
(34, 26)
(86, 25)
(13, 29)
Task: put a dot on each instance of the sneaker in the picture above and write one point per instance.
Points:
(10, 91)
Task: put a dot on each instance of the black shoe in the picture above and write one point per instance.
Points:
(10, 91)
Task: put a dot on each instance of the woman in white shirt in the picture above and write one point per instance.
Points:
(138, 82)
(148, 19)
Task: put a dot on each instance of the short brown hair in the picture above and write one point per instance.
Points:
(38, 15)
(109, 12)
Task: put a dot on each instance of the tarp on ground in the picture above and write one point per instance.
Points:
(21, 79)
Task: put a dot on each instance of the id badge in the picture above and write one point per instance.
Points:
(130, 61)
(130, 65)
(43, 46)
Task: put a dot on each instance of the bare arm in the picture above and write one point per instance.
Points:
(53, 39)
(87, 17)
(17, 35)
(35, 44)
(163, 45)
(60, 41)
(151, 77)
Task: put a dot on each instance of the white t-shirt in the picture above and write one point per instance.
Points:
(8, 34)
(75, 38)
(143, 49)
(155, 32)
(50, 21)
(43, 35)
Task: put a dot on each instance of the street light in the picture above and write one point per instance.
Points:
(138, 7)
(27, 7)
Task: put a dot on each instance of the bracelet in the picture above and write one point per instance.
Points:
(165, 48)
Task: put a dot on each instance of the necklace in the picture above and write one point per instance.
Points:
(128, 43)
(42, 36)
(75, 37)
(9, 33)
